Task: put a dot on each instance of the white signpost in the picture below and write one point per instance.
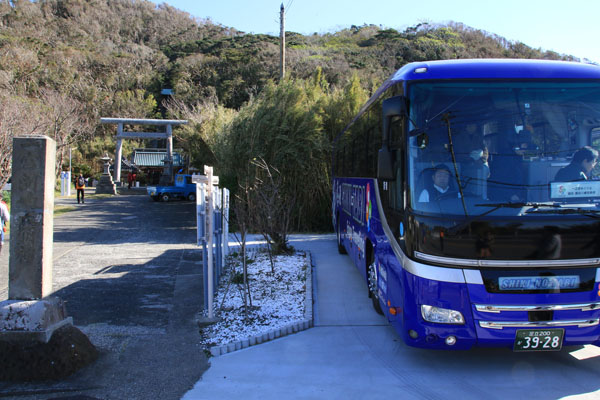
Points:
(65, 183)
(212, 206)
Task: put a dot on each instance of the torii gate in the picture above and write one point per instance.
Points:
(168, 134)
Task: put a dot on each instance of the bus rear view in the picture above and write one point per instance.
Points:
(466, 194)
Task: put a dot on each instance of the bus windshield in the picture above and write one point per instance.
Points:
(496, 147)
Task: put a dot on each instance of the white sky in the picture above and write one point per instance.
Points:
(567, 27)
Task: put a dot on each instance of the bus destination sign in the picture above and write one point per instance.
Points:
(539, 282)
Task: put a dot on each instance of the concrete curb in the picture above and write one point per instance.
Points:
(294, 327)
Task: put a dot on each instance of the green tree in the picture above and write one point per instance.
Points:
(204, 133)
(281, 127)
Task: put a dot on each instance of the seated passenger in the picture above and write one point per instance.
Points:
(580, 168)
(508, 178)
(469, 144)
(522, 142)
(475, 172)
(439, 186)
(472, 154)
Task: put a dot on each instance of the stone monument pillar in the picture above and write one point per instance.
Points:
(32, 218)
(27, 313)
(30, 320)
(106, 184)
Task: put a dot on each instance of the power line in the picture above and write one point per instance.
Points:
(289, 5)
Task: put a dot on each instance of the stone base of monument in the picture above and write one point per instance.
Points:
(106, 185)
(38, 341)
(32, 320)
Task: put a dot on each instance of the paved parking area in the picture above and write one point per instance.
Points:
(130, 274)
(352, 353)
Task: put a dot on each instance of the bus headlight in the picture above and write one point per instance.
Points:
(441, 315)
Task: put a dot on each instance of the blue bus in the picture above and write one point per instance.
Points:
(464, 192)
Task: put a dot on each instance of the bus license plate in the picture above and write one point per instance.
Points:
(539, 339)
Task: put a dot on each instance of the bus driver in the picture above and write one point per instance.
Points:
(439, 186)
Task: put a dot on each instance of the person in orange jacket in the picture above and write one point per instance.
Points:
(80, 185)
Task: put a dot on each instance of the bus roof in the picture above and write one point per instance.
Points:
(496, 69)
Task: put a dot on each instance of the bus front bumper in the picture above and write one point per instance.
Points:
(497, 319)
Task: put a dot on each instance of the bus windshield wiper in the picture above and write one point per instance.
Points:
(578, 210)
(535, 208)
(521, 204)
(446, 118)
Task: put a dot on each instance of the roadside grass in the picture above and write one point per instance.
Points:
(98, 196)
(63, 209)
(58, 209)
(6, 199)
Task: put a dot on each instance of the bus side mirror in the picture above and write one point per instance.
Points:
(385, 165)
(392, 107)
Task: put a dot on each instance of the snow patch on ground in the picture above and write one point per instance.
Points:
(278, 297)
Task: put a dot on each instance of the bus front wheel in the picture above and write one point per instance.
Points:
(373, 285)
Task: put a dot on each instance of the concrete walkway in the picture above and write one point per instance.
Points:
(352, 353)
(311, 363)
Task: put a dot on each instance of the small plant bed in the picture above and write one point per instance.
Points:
(276, 299)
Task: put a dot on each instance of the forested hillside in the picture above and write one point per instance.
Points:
(66, 63)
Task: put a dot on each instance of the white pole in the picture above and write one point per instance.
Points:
(118, 156)
(170, 151)
(225, 222)
(69, 177)
(208, 171)
(282, 43)
(200, 223)
(63, 178)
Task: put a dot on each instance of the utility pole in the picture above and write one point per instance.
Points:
(282, 44)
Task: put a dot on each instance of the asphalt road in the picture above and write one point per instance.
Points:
(131, 276)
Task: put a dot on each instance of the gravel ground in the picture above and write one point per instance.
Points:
(130, 274)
